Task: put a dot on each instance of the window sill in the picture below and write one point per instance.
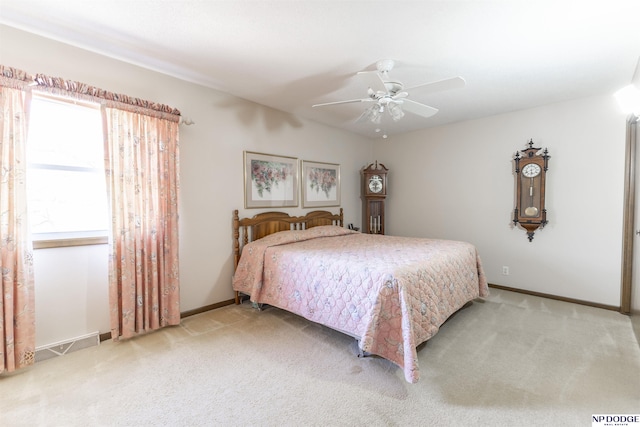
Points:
(76, 241)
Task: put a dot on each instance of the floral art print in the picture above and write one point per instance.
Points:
(321, 185)
(270, 181)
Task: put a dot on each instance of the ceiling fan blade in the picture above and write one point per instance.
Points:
(373, 80)
(446, 84)
(417, 108)
(362, 118)
(350, 101)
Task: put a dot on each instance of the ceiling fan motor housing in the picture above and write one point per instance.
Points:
(393, 87)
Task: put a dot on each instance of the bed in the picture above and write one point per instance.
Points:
(390, 293)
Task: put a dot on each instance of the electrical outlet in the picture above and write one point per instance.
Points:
(505, 270)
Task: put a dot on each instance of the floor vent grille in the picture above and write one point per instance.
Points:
(64, 347)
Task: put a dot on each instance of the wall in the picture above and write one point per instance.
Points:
(457, 182)
(211, 179)
(71, 290)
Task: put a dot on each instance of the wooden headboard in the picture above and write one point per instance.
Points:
(247, 230)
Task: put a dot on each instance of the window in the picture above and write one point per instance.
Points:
(66, 186)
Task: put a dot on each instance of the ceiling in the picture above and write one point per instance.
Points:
(291, 54)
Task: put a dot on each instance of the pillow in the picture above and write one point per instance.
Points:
(290, 236)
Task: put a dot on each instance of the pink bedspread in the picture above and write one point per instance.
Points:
(392, 293)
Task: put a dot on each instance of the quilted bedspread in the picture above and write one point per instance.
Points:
(392, 293)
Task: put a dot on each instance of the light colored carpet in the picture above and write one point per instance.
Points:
(511, 360)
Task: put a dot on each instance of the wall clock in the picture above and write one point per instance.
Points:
(531, 173)
(374, 191)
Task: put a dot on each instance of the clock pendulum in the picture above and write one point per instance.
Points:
(531, 210)
(530, 171)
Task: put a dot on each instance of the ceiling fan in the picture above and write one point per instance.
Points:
(391, 96)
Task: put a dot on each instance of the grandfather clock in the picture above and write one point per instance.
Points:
(374, 191)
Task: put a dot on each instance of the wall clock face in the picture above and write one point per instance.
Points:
(375, 184)
(531, 170)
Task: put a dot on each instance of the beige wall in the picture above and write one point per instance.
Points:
(457, 182)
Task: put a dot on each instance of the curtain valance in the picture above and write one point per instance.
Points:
(60, 86)
(18, 79)
(14, 78)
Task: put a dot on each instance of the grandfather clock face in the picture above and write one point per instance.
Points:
(375, 184)
(531, 170)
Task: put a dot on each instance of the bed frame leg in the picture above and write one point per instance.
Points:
(361, 353)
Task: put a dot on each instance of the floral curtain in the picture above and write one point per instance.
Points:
(142, 172)
(142, 164)
(17, 302)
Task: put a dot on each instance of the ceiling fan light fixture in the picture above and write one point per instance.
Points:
(396, 111)
(373, 114)
(376, 117)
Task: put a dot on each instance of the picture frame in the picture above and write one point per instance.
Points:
(270, 180)
(320, 184)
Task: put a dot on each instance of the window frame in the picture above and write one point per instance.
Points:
(63, 239)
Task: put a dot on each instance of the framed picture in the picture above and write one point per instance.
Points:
(320, 184)
(270, 181)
